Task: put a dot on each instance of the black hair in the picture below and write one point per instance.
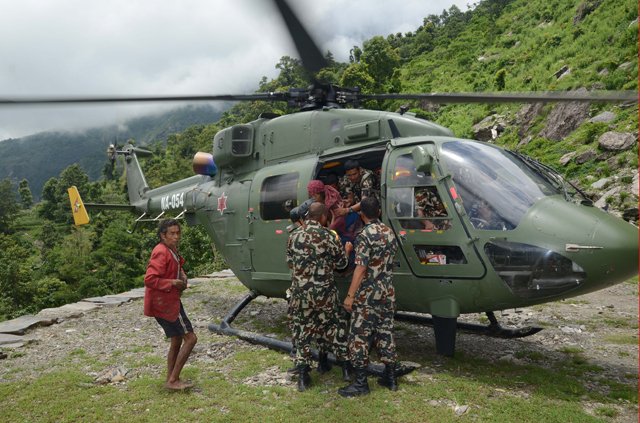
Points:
(351, 164)
(165, 224)
(301, 211)
(370, 207)
(316, 210)
(331, 179)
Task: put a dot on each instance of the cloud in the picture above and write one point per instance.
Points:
(162, 47)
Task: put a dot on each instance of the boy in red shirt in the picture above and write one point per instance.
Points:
(164, 282)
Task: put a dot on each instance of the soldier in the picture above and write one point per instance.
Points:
(356, 184)
(428, 204)
(371, 301)
(313, 253)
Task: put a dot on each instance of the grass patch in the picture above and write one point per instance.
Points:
(622, 339)
(570, 350)
(621, 322)
(606, 412)
(494, 391)
(531, 355)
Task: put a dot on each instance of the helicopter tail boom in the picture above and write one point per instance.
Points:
(136, 183)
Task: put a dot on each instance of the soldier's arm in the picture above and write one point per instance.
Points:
(341, 258)
(290, 253)
(356, 281)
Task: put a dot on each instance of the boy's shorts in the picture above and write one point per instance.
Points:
(179, 327)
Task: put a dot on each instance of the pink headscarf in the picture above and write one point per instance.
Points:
(331, 195)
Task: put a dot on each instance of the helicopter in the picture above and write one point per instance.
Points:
(510, 232)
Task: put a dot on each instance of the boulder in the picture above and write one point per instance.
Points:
(564, 70)
(601, 183)
(602, 201)
(625, 66)
(564, 160)
(489, 128)
(524, 141)
(605, 117)
(585, 156)
(526, 117)
(564, 119)
(584, 9)
(617, 141)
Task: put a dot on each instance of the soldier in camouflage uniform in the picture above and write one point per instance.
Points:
(313, 253)
(371, 301)
(356, 184)
(428, 204)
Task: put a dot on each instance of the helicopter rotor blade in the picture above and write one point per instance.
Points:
(310, 54)
(271, 96)
(540, 97)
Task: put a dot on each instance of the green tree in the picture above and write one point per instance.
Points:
(49, 203)
(55, 198)
(357, 75)
(15, 275)
(118, 260)
(25, 194)
(50, 291)
(70, 259)
(8, 205)
(381, 60)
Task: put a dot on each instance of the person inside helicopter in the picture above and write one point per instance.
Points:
(330, 197)
(356, 184)
(482, 216)
(429, 204)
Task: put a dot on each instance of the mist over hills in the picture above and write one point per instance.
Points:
(44, 155)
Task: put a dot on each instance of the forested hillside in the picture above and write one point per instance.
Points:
(500, 45)
(41, 156)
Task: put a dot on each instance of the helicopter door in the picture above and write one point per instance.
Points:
(275, 190)
(422, 214)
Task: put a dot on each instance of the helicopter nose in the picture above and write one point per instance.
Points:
(615, 256)
(605, 246)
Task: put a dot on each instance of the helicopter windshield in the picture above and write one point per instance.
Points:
(496, 187)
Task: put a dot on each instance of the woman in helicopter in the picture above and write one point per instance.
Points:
(330, 197)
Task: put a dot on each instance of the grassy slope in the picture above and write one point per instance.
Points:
(531, 41)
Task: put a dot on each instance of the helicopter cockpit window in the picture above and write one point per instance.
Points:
(415, 199)
(278, 196)
(496, 187)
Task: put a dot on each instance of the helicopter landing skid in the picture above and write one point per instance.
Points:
(224, 328)
(493, 329)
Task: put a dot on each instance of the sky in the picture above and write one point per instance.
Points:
(166, 47)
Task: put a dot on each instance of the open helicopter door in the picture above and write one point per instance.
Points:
(275, 190)
(420, 207)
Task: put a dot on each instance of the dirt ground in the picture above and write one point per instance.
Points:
(601, 327)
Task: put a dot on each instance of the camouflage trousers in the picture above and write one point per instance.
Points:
(372, 327)
(323, 325)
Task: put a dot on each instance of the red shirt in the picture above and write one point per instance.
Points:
(161, 298)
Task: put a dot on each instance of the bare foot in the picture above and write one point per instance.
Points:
(178, 385)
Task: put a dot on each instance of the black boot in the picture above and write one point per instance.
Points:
(323, 363)
(346, 370)
(389, 378)
(304, 380)
(358, 387)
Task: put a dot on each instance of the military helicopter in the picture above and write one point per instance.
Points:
(509, 232)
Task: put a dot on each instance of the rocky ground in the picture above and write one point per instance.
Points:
(601, 328)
